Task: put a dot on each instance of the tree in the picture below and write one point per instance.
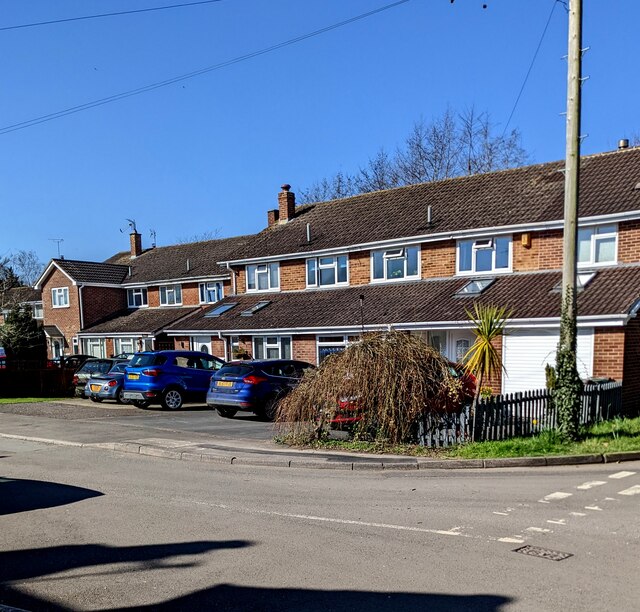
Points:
(447, 146)
(8, 278)
(202, 237)
(482, 359)
(21, 336)
(27, 266)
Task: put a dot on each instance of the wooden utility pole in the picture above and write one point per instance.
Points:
(568, 383)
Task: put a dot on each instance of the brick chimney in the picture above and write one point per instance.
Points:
(136, 244)
(272, 217)
(286, 204)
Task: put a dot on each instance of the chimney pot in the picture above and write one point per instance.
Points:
(286, 187)
(623, 143)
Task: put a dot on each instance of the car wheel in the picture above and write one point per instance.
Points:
(96, 399)
(120, 399)
(270, 408)
(227, 413)
(172, 399)
(141, 403)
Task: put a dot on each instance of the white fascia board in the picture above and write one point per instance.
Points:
(114, 335)
(176, 281)
(47, 271)
(455, 235)
(105, 285)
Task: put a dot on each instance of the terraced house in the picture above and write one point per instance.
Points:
(412, 258)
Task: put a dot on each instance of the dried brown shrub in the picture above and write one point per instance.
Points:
(393, 376)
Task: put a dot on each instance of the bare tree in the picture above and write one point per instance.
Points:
(204, 236)
(381, 172)
(27, 266)
(340, 185)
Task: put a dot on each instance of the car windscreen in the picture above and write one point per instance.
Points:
(95, 367)
(119, 367)
(234, 369)
(144, 360)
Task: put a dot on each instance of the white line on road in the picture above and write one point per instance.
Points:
(554, 496)
(511, 540)
(578, 513)
(635, 490)
(622, 474)
(598, 508)
(558, 521)
(590, 485)
(502, 513)
(539, 530)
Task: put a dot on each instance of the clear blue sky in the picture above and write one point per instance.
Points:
(210, 153)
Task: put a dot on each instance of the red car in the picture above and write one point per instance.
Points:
(350, 410)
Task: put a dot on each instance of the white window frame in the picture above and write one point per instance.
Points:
(88, 344)
(271, 345)
(133, 292)
(595, 237)
(396, 253)
(60, 297)
(252, 272)
(205, 287)
(481, 244)
(120, 345)
(38, 311)
(327, 266)
(167, 290)
(337, 341)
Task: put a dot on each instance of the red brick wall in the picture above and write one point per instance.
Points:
(609, 352)
(241, 281)
(293, 275)
(359, 268)
(545, 252)
(438, 259)
(67, 319)
(217, 347)
(153, 297)
(304, 348)
(190, 294)
(495, 381)
(629, 242)
(100, 302)
(631, 371)
(181, 343)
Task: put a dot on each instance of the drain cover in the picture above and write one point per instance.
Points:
(543, 553)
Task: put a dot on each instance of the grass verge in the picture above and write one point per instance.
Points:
(27, 400)
(613, 436)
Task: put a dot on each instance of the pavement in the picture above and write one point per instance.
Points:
(37, 423)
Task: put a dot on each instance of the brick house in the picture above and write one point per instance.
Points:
(26, 296)
(416, 258)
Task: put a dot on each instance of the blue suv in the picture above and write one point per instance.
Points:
(255, 386)
(168, 377)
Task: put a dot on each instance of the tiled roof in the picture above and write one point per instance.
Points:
(612, 291)
(142, 320)
(530, 194)
(19, 295)
(92, 271)
(170, 262)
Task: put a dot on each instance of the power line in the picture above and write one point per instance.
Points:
(134, 92)
(100, 15)
(533, 61)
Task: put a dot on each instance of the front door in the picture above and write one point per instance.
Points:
(460, 341)
(201, 343)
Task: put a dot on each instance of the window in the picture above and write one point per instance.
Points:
(271, 347)
(170, 295)
(475, 286)
(328, 345)
(38, 311)
(486, 255)
(210, 292)
(94, 347)
(263, 277)
(137, 297)
(597, 245)
(60, 297)
(125, 345)
(218, 310)
(396, 264)
(582, 280)
(255, 308)
(327, 271)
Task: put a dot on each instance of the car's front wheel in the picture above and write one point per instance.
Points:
(121, 399)
(270, 408)
(227, 413)
(172, 399)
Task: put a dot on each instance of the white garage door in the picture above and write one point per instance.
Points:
(527, 351)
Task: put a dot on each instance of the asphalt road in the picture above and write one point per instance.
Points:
(94, 530)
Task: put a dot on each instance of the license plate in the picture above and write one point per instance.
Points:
(132, 395)
(95, 387)
(224, 383)
(133, 376)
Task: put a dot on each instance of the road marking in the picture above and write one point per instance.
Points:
(554, 496)
(590, 485)
(622, 474)
(578, 513)
(511, 540)
(598, 508)
(558, 521)
(635, 490)
(501, 513)
(539, 529)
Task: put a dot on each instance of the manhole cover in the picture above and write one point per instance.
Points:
(543, 553)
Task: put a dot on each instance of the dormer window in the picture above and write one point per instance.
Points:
(263, 277)
(396, 264)
(327, 271)
(597, 245)
(484, 255)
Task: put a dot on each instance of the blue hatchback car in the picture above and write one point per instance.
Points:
(254, 386)
(168, 377)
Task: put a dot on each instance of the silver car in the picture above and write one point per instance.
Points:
(108, 385)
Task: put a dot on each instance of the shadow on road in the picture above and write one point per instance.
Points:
(18, 495)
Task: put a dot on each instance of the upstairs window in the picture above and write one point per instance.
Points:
(170, 295)
(327, 271)
(38, 311)
(210, 292)
(396, 264)
(263, 277)
(60, 297)
(137, 297)
(485, 255)
(597, 245)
